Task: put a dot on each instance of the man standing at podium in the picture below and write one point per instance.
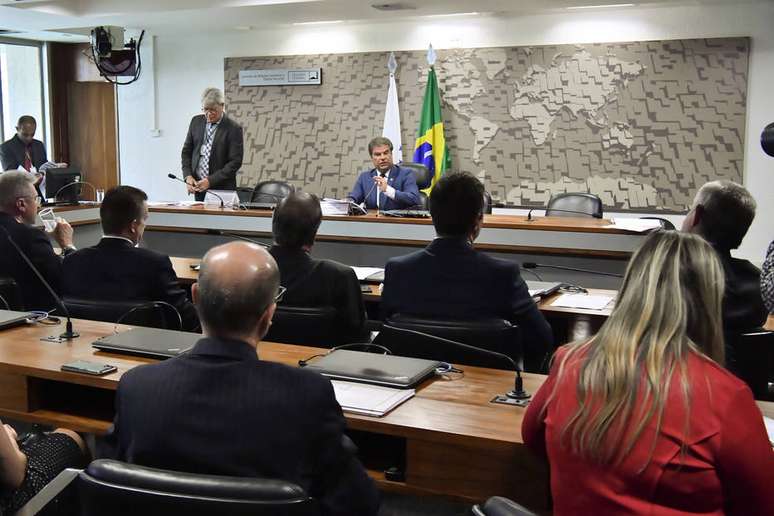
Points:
(213, 149)
(386, 186)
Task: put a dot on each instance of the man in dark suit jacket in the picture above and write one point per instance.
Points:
(219, 409)
(213, 149)
(311, 282)
(722, 213)
(386, 186)
(23, 150)
(449, 279)
(18, 209)
(116, 270)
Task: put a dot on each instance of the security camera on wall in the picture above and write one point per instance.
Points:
(114, 57)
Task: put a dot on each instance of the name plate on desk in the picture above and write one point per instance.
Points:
(280, 77)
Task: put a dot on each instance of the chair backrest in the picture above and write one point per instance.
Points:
(421, 173)
(118, 489)
(272, 191)
(245, 193)
(574, 205)
(499, 506)
(310, 326)
(751, 358)
(486, 334)
(154, 314)
(487, 202)
(10, 294)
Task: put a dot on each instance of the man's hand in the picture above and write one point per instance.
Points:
(203, 185)
(190, 184)
(381, 183)
(63, 233)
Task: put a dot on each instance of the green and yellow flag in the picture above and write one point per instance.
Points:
(430, 148)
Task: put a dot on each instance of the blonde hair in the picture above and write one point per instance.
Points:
(668, 307)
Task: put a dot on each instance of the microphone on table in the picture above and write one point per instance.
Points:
(69, 333)
(533, 265)
(518, 392)
(235, 235)
(576, 212)
(222, 204)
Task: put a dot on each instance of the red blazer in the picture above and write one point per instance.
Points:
(727, 467)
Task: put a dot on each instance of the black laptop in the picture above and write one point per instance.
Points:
(148, 342)
(389, 370)
(9, 318)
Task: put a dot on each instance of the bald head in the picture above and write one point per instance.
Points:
(296, 220)
(236, 289)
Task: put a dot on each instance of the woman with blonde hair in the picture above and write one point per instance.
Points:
(642, 418)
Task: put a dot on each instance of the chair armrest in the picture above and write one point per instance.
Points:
(53, 489)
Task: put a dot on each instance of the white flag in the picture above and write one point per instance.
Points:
(391, 128)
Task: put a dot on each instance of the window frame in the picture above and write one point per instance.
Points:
(43, 125)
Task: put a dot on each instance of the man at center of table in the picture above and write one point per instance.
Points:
(219, 409)
(386, 186)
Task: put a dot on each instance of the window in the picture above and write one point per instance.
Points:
(21, 87)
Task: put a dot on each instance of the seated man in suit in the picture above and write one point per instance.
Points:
(450, 279)
(116, 269)
(722, 213)
(310, 282)
(386, 186)
(18, 209)
(219, 409)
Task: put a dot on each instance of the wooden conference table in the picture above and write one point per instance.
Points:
(449, 439)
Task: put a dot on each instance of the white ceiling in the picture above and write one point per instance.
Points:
(57, 20)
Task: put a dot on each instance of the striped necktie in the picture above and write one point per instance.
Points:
(204, 168)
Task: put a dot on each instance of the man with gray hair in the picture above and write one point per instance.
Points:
(219, 409)
(213, 149)
(18, 210)
(722, 213)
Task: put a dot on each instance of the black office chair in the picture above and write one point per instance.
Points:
(487, 333)
(499, 506)
(487, 202)
(574, 205)
(309, 326)
(665, 224)
(423, 178)
(751, 358)
(154, 314)
(245, 193)
(272, 191)
(10, 295)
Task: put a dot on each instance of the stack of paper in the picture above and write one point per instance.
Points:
(369, 400)
(363, 273)
(589, 302)
(334, 207)
(632, 224)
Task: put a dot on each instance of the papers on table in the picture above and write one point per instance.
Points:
(363, 273)
(636, 225)
(369, 400)
(769, 428)
(334, 207)
(161, 204)
(589, 302)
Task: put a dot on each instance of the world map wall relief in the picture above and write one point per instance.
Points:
(641, 124)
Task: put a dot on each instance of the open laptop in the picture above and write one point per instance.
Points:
(9, 318)
(148, 342)
(389, 370)
(542, 288)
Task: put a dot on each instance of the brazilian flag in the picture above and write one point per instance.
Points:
(430, 148)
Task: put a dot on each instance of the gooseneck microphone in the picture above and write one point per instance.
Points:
(518, 391)
(69, 333)
(222, 204)
(237, 236)
(533, 265)
(584, 213)
(68, 185)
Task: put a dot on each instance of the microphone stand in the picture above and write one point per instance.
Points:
(222, 204)
(68, 185)
(533, 265)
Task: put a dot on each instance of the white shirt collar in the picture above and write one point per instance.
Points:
(116, 237)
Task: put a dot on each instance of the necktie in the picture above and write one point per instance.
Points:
(27, 159)
(204, 169)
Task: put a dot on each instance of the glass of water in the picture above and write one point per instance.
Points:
(49, 219)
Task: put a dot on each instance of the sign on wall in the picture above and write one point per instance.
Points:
(279, 77)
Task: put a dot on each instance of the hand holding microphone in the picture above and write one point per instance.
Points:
(381, 182)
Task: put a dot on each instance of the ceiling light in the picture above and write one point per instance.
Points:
(453, 14)
(329, 22)
(605, 6)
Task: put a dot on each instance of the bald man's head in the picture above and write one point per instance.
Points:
(237, 284)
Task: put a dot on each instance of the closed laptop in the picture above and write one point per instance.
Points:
(390, 370)
(149, 342)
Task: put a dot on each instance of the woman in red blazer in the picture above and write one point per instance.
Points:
(642, 418)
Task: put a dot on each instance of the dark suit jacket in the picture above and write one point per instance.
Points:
(220, 410)
(450, 279)
(402, 179)
(225, 156)
(743, 307)
(38, 248)
(318, 283)
(115, 270)
(12, 153)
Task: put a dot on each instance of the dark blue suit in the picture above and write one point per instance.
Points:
(402, 179)
(450, 279)
(220, 410)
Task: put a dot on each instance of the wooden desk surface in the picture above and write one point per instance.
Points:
(457, 443)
